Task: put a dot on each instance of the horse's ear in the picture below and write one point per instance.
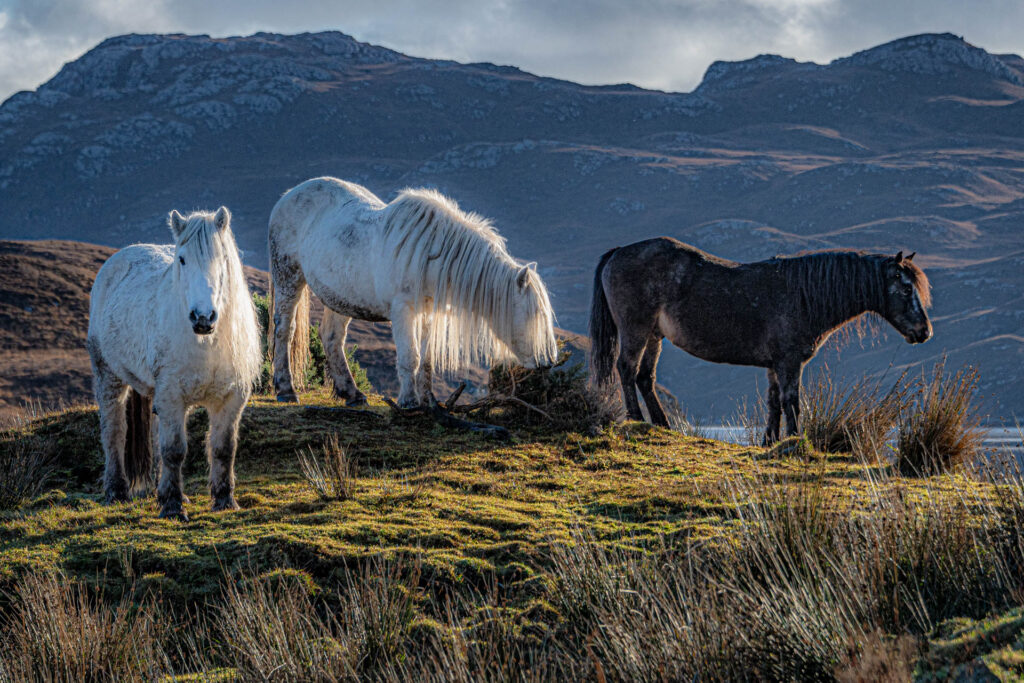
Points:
(911, 257)
(532, 265)
(222, 217)
(899, 258)
(176, 222)
(524, 274)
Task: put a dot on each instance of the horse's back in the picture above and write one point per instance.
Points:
(706, 305)
(129, 272)
(310, 203)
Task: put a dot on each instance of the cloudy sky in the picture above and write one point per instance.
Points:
(663, 44)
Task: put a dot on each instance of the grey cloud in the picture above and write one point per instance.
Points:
(654, 43)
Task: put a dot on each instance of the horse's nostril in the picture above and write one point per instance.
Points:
(213, 316)
(192, 316)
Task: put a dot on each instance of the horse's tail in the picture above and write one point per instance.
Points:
(138, 449)
(298, 351)
(604, 335)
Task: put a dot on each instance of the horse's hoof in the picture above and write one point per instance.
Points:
(226, 503)
(177, 514)
(287, 397)
(115, 497)
(356, 401)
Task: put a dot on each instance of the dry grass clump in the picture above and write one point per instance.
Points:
(853, 418)
(57, 630)
(558, 396)
(25, 468)
(938, 428)
(806, 592)
(279, 631)
(329, 471)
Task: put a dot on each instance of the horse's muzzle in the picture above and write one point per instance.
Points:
(920, 336)
(202, 325)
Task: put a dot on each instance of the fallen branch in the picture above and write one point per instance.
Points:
(500, 400)
(446, 419)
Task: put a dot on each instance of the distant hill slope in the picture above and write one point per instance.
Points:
(917, 144)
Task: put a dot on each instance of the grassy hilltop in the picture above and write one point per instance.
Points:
(636, 553)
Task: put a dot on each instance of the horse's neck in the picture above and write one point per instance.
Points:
(830, 307)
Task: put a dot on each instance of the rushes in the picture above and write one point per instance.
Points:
(939, 427)
(57, 631)
(851, 418)
(25, 468)
(329, 471)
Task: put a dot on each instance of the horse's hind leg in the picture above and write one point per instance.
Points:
(333, 331)
(221, 444)
(288, 287)
(647, 382)
(111, 394)
(631, 350)
(771, 433)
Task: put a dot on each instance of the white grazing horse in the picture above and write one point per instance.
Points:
(174, 326)
(442, 277)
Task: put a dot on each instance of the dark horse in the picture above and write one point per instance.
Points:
(773, 314)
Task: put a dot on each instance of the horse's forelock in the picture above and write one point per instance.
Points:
(201, 230)
(920, 282)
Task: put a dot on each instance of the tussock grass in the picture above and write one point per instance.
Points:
(853, 418)
(59, 630)
(558, 397)
(329, 470)
(939, 425)
(25, 469)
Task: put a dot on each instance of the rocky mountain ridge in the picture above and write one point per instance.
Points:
(917, 144)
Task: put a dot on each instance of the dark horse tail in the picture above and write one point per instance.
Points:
(138, 448)
(604, 335)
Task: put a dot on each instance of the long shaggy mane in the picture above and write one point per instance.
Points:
(473, 282)
(828, 282)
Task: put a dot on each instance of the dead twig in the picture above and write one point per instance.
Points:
(446, 419)
(500, 400)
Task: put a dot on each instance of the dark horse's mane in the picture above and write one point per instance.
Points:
(828, 282)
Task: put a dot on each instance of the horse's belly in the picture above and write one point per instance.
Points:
(348, 303)
(714, 342)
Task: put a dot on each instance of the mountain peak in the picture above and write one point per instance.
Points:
(148, 62)
(723, 75)
(931, 54)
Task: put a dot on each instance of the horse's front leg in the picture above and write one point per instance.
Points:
(173, 447)
(771, 433)
(404, 328)
(789, 394)
(333, 332)
(288, 289)
(425, 377)
(221, 444)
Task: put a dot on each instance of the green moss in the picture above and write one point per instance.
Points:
(468, 509)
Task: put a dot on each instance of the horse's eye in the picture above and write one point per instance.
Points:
(181, 260)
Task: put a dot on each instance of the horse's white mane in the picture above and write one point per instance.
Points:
(473, 277)
(239, 333)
